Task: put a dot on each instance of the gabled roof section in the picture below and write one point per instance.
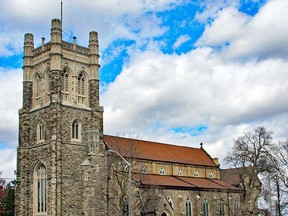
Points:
(191, 183)
(148, 150)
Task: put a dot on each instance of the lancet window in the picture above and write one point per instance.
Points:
(76, 130)
(40, 190)
(188, 207)
(40, 131)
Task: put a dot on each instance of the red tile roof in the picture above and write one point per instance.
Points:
(183, 182)
(147, 150)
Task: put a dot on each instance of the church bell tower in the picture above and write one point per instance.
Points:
(61, 163)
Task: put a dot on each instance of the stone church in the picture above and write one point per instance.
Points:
(67, 166)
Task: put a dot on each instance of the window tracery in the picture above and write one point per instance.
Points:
(40, 190)
(81, 88)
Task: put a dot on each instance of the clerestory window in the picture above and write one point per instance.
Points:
(180, 173)
(210, 174)
(162, 171)
(143, 169)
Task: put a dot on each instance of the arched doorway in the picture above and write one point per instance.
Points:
(164, 214)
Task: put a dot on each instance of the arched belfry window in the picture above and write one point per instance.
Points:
(40, 131)
(81, 84)
(38, 85)
(40, 190)
(188, 207)
(82, 87)
(76, 130)
(64, 81)
(65, 84)
(47, 85)
(37, 89)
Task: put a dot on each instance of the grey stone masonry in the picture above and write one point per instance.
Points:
(60, 111)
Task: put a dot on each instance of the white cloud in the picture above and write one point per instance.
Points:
(259, 37)
(115, 19)
(156, 92)
(7, 163)
(11, 98)
(181, 40)
(10, 44)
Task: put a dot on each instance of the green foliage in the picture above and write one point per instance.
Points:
(7, 203)
(2, 181)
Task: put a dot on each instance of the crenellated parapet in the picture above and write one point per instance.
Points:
(61, 71)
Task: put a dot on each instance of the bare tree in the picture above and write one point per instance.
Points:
(277, 186)
(119, 182)
(251, 156)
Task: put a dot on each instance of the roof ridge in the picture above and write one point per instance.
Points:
(154, 142)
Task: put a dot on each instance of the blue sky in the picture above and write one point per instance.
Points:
(175, 71)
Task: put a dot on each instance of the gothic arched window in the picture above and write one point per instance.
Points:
(188, 207)
(205, 208)
(180, 173)
(210, 174)
(76, 130)
(40, 131)
(37, 89)
(81, 84)
(65, 84)
(162, 171)
(81, 87)
(64, 81)
(40, 190)
(236, 207)
(143, 169)
(38, 85)
(221, 209)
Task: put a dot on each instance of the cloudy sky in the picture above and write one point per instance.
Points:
(174, 71)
